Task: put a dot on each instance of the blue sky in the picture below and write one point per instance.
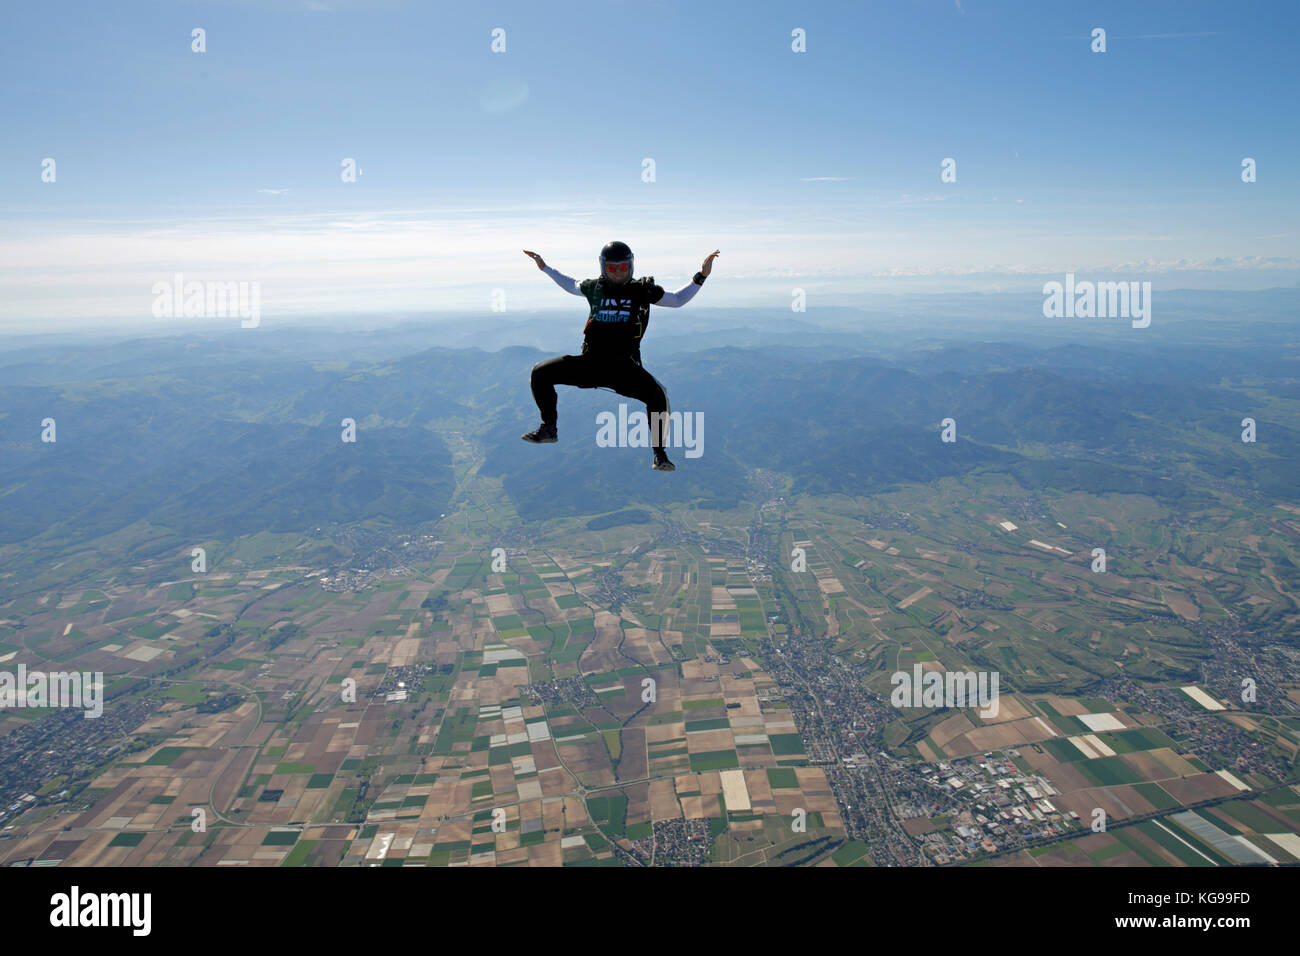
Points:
(816, 170)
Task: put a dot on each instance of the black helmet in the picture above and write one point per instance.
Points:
(616, 252)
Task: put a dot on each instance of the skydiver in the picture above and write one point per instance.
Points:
(611, 342)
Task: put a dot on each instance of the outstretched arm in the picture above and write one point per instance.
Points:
(563, 281)
(675, 300)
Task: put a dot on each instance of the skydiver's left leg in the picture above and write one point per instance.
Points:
(635, 382)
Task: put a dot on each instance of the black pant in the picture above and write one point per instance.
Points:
(593, 370)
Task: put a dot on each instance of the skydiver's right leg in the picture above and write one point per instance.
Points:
(574, 370)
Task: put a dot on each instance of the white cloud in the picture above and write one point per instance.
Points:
(1145, 266)
(1166, 36)
(407, 260)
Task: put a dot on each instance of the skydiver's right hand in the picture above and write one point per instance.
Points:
(541, 263)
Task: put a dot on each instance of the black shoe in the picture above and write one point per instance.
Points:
(662, 463)
(545, 434)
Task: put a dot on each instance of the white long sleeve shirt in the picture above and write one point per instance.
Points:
(672, 300)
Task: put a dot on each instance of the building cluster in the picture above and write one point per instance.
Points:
(377, 555)
(678, 842)
(63, 744)
(989, 804)
(573, 691)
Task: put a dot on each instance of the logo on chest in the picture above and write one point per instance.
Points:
(618, 310)
(614, 310)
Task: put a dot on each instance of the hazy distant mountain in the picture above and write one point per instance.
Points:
(211, 436)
